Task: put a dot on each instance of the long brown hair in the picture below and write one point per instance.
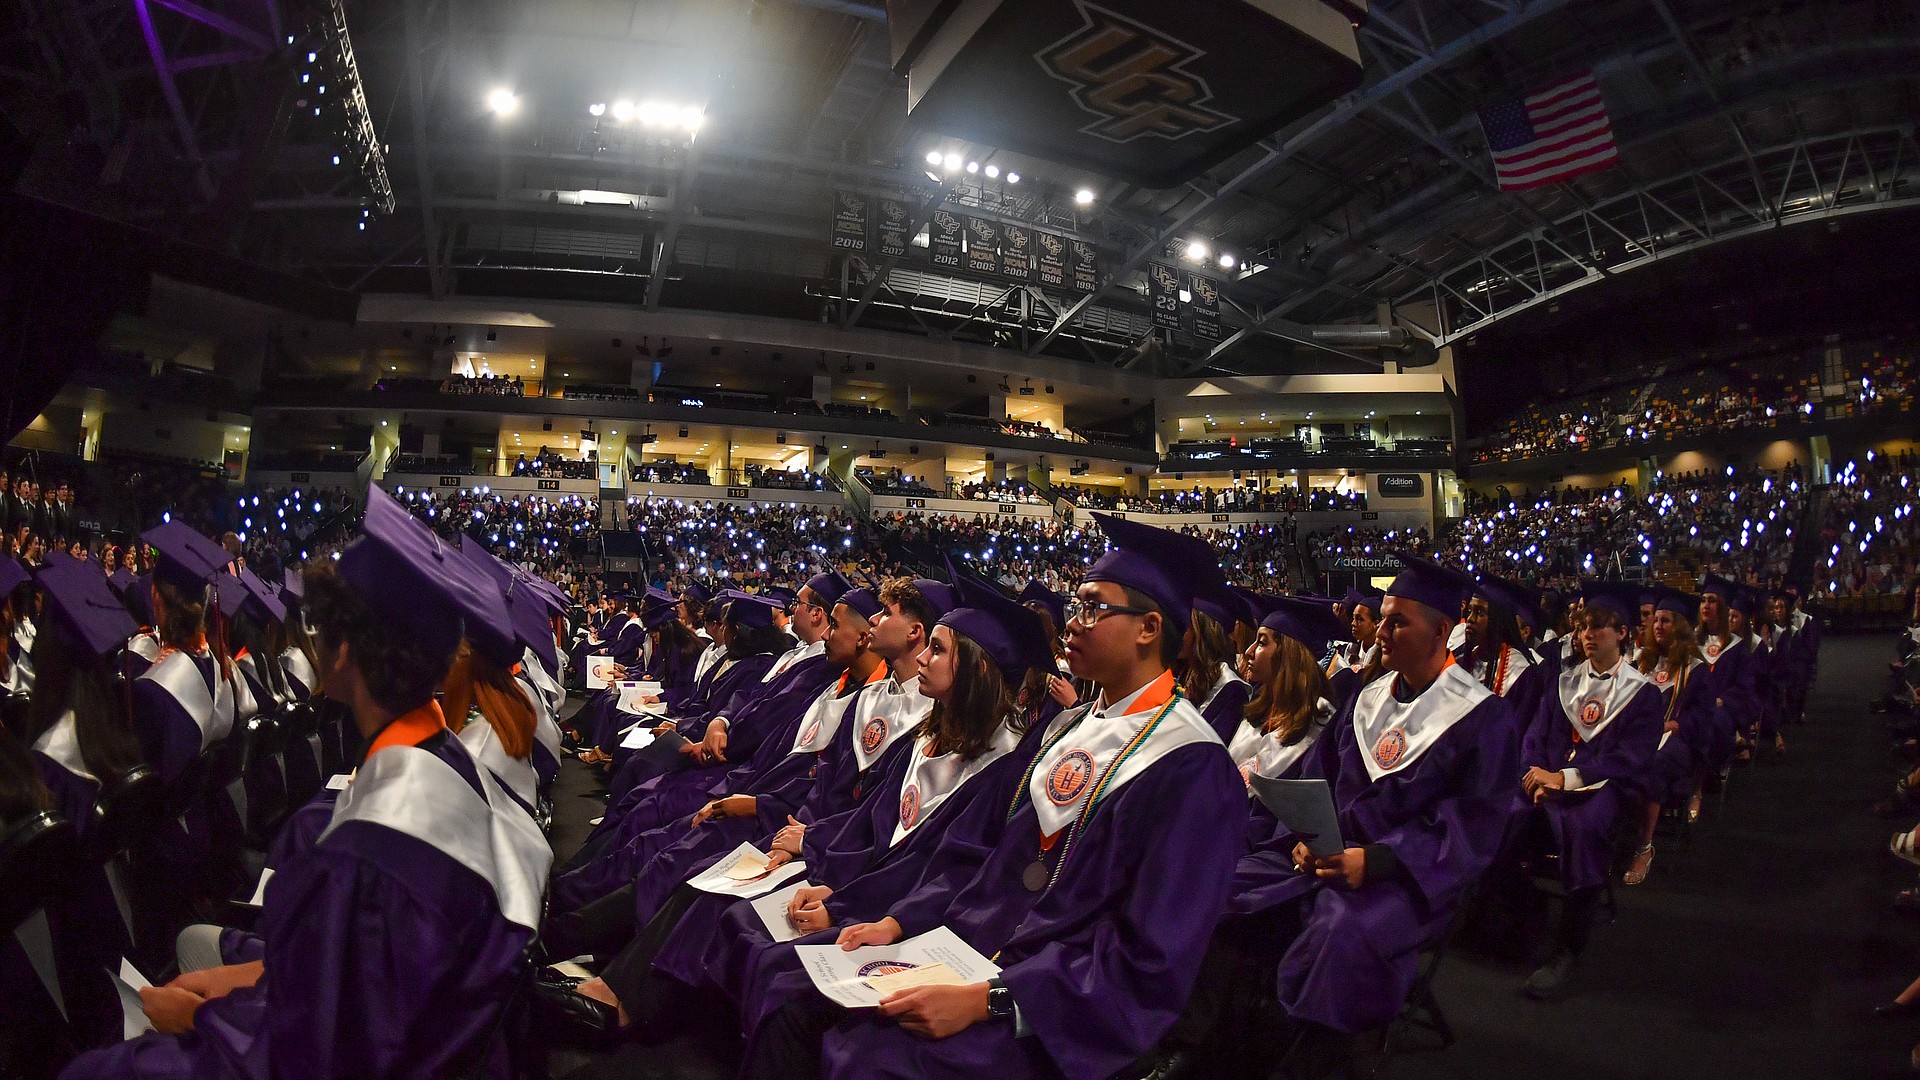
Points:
(1286, 702)
(65, 678)
(979, 703)
(1683, 652)
(477, 682)
(1211, 647)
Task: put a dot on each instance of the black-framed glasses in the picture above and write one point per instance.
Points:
(1088, 613)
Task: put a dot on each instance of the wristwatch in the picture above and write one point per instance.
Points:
(999, 998)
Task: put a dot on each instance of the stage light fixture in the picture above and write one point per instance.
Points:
(623, 110)
(993, 172)
(598, 108)
(973, 166)
(933, 157)
(1084, 196)
(501, 101)
(692, 117)
(1196, 250)
(1013, 178)
(951, 161)
(1226, 261)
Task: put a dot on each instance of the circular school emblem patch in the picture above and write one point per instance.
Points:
(1591, 710)
(1070, 777)
(1246, 770)
(1662, 677)
(910, 806)
(1390, 748)
(884, 967)
(807, 736)
(1713, 649)
(873, 734)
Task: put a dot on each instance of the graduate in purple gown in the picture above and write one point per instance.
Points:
(1496, 652)
(1420, 765)
(83, 744)
(393, 946)
(1671, 659)
(1729, 663)
(1103, 887)
(1358, 663)
(1587, 756)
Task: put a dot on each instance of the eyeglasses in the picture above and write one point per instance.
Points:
(1088, 613)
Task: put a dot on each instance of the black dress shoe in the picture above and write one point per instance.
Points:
(1894, 1009)
(575, 1016)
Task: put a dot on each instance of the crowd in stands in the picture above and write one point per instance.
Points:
(893, 482)
(1238, 498)
(1737, 523)
(552, 465)
(1700, 402)
(998, 492)
(1869, 540)
(760, 476)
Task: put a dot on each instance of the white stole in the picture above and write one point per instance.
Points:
(791, 657)
(822, 720)
(1592, 699)
(1393, 735)
(61, 745)
(1066, 774)
(212, 710)
(883, 713)
(1269, 757)
(931, 780)
(415, 792)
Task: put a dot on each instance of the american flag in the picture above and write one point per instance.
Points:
(1554, 134)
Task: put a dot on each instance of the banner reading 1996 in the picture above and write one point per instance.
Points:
(1051, 249)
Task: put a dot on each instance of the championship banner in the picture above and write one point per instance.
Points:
(1163, 294)
(891, 227)
(1086, 267)
(1016, 252)
(849, 221)
(983, 246)
(1205, 307)
(943, 239)
(1052, 259)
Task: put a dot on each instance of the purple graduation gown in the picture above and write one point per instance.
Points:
(88, 934)
(1732, 692)
(1693, 744)
(385, 957)
(780, 785)
(1123, 926)
(1620, 754)
(1223, 711)
(747, 712)
(1444, 815)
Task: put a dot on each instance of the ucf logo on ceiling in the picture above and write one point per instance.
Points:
(1146, 91)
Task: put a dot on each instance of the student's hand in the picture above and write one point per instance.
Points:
(884, 932)
(645, 699)
(1349, 866)
(790, 837)
(731, 806)
(807, 910)
(1672, 726)
(714, 746)
(170, 1008)
(1062, 691)
(1548, 782)
(937, 1012)
(218, 982)
(662, 729)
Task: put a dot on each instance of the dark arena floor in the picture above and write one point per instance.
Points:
(1758, 949)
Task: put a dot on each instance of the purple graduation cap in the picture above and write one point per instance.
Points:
(1056, 605)
(12, 576)
(1426, 582)
(1251, 607)
(187, 560)
(829, 587)
(1715, 585)
(139, 600)
(747, 609)
(1618, 597)
(654, 618)
(1144, 559)
(862, 601)
(1515, 597)
(780, 595)
(939, 596)
(1011, 636)
(696, 592)
(1312, 624)
(402, 570)
(264, 603)
(1676, 602)
(230, 592)
(500, 642)
(85, 608)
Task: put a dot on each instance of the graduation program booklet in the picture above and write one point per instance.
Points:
(772, 909)
(600, 671)
(861, 978)
(630, 694)
(743, 872)
(1304, 806)
(133, 1014)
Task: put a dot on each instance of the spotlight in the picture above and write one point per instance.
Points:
(598, 108)
(951, 161)
(1196, 250)
(653, 114)
(933, 157)
(1084, 196)
(973, 166)
(501, 101)
(1226, 261)
(993, 172)
(623, 110)
(691, 118)
(1013, 178)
